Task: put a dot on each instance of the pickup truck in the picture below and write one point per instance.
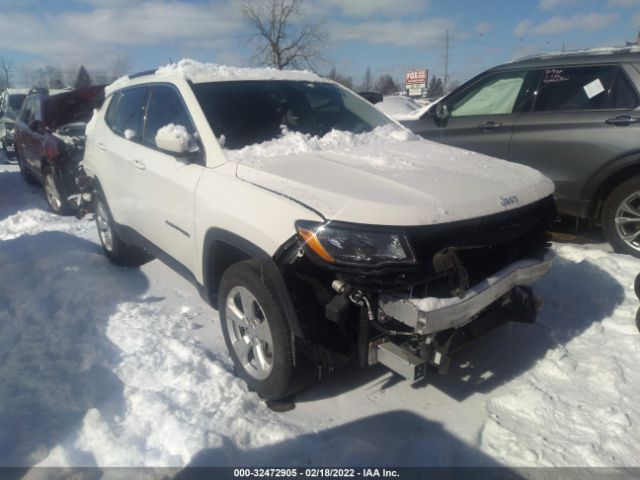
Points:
(321, 230)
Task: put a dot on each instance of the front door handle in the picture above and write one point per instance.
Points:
(622, 120)
(101, 146)
(139, 164)
(489, 126)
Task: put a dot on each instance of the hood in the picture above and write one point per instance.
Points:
(382, 179)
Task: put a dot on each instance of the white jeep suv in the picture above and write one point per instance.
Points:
(321, 229)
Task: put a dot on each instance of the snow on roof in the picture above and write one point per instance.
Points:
(199, 72)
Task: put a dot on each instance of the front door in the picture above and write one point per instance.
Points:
(481, 116)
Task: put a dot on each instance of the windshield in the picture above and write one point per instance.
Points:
(15, 101)
(250, 112)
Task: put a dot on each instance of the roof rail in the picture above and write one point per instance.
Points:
(141, 74)
(584, 51)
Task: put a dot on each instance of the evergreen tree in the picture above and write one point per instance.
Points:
(83, 79)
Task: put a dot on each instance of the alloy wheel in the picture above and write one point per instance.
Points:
(249, 332)
(627, 221)
(104, 226)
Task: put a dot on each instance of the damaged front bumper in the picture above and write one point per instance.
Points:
(430, 315)
(446, 325)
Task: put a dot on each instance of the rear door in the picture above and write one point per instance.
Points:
(582, 117)
(167, 182)
(116, 148)
(481, 116)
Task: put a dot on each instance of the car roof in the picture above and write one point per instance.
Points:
(198, 72)
(575, 57)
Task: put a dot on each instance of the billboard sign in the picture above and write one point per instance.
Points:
(416, 82)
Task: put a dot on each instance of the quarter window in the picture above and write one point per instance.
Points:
(164, 107)
(622, 94)
(493, 95)
(574, 88)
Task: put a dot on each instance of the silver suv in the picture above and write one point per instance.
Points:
(573, 116)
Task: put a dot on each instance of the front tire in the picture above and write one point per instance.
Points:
(114, 247)
(621, 217)
(257, 334)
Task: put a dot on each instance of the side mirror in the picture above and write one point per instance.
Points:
(175, 139)
(441, 111)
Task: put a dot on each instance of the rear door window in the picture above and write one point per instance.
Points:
(165, 107)
(493, 95)
(574, 88)
(128, 115)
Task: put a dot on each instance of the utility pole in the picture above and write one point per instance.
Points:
(446, 63)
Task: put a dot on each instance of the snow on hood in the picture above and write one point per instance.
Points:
(388, 176)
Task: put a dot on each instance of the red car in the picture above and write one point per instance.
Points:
(49, 139)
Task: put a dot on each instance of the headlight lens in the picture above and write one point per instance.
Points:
(357, 247)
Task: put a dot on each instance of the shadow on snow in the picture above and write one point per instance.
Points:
(57, 293)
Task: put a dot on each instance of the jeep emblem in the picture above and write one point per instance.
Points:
(508, 201)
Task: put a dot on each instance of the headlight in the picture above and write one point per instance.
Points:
(357, 247)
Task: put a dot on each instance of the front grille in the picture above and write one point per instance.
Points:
(483, 245)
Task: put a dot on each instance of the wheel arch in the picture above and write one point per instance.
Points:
(607, 179)
(221, 249)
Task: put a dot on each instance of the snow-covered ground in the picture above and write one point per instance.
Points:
(101, 365)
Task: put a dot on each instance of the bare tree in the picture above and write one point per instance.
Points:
(5, 72)
(282, 36)
(367, 82)
(335, 76)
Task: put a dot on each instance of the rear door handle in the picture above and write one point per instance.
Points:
(622, 120)
(102, 146)
(489, 126)
(139, 164)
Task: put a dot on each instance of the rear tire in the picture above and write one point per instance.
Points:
(114, 247)
(621, 217)
(257, 333)
(53, 194)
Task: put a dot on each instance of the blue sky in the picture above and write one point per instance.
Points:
(389, 36)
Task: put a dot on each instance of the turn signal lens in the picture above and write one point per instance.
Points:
(314, 244)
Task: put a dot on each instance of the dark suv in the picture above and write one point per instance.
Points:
(573, 116)
(49, 139)
(10, 103)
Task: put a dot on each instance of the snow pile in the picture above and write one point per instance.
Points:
(578, 404)
(336, 141)
(388, 175)
(116, 84)
(210, 72)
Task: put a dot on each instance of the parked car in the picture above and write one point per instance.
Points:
(397, 106)
(573, 116)
(10, 103)
(321, 230)
(372, 97)
(49, 140)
